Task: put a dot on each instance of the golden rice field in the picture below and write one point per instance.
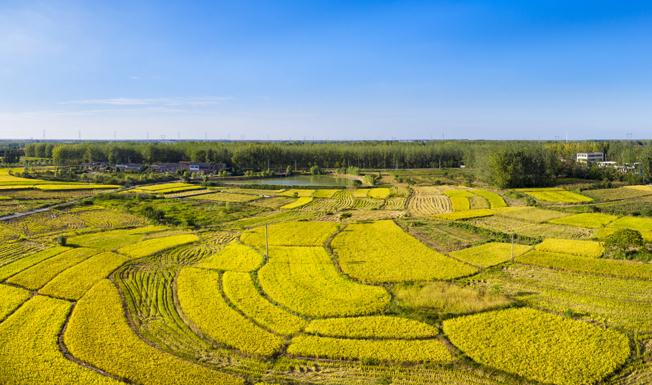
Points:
(555, 195)
(392, 284)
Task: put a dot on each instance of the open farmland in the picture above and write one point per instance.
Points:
(170, 283)
(555, 195)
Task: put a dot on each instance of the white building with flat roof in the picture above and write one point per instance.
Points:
(590, 157)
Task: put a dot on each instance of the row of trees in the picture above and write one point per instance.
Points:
(531, 166)
(260, 156)
(506, 164)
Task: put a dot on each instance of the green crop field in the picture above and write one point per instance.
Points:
(415, 283)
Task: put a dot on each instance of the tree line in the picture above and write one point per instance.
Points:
(260, 155)
(504, 163)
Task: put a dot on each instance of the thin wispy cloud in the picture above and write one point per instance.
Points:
(175, 102)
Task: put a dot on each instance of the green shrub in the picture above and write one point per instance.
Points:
(624, 244)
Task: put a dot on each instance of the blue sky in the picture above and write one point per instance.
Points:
(276, 69)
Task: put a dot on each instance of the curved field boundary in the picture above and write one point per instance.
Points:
(572, 246)
(539, 346)
(11, 299)
(31, 335)
(202, 302)
(234, 257)
(28, 261)
(292, 233)
(372, 327)
(490, 254)
(301, 201)
(305, 280)
(74, 282)
(239, 288)
(99, 333)
(430, 205)
(13, 251)
(153, 246)
(382, 252)
(599, 266)
(433, 350)
(40, 274)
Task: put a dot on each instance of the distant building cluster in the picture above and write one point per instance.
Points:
(196, 167)
(599, 159)
(590, 157)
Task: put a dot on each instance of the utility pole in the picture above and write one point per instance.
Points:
(267, 240)
(512, 247)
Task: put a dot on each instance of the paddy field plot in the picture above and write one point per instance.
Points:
(11, 298)
(427, 201)
(241, 290)
(99, 334)
(467, 214)
(361, 286)
(490, 254)
(30, 352)
(599, 266)
(610, 301)
(309, 233)
(204, 305)
(588, 220)
(383, 252)
(166, 188)
(539, 346)
(572, 246)
(371, 327)
(433, 350)
(234, 257)
(225, 197)
(555, 195)
(305, 280)
(299, 202)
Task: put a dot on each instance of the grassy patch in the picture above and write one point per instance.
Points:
(447, 298)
